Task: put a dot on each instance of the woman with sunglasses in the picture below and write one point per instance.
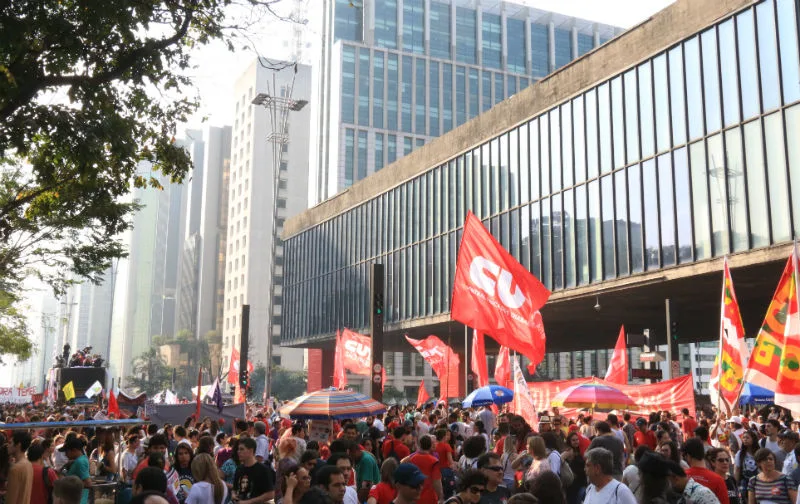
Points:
(719, 461)
(770, 485)
(470, 488)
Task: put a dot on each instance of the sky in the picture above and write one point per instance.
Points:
(217, 68)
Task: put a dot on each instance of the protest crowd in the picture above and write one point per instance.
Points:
(410, 455)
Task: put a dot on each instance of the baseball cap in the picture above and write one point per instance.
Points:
(72, 443)
(544, 419)
(641, 421)
(408, 475)
(735, 419)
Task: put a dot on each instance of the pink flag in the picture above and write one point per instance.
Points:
(502, 370)
(618, 367)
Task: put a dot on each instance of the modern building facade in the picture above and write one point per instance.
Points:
(251, 229)
(620, 181)
(396, 73)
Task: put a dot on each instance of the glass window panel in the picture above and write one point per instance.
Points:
(607, 201)
(419, 98)
(509, 170)
(544, 147)
(595, 232)
(386, 23)
(618, 122)
(451, 191)
(708, 40)
(533, 146)
(591, 133)
(748, 77)
(466, 38)
(667, 210)
(651, 219)
(555, 149)
(683, 205)
(790, 59)
(700, 206)
(563, 39)
(349, 157)
(512, 85)
(635, 218)
(348, 21)
(348, 84)
(363, 86)
(768, 55)
(499, 88)
(547, 244)
(540, 50)
(391, 92)
(661, 86)
(486, 182)
(694, 88)
(581, 235)
(461, 95)
(566, 144)
(621, 222)
(737, 199)
(718, 194)
(631, 116)
(362, 154)
(474, 92)
(486, 90)
(776, 177)
(557, 233)
(407, 89)
(413, 26)
(408, 145)
(515, 45)
(377, 89)
(646, 109)
(523, 168)
(491, 40)
(439, 44)
(447, 97)
(676, 97)
(433, 90)
(585, 43)
(535, 240)
(579, 142)
(604, 127)
(569, 238)
(793, 131)
(525, 237)
(729, 71)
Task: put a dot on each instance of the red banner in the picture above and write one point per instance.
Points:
(339, 375)
(618, 367)
(444, 362)
(502, 369)
(422, 394)
(478, 363)
(670, 395)
(233, 369)
(356, 352)
(496, 295)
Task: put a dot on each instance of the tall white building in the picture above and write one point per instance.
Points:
(256, 147)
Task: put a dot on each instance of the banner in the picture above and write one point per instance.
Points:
(502, 369)
(422, 394)
(444, 362)
(496, 295)
(523, 404)
(356, 352)
(69, 391)
(618, 367)
(669, 395)
(339, 375)
(320, 431)
(478, 362)
(787, 391)
(762, 369)
(18, 395)
(233, 368)
(95, 389)
(176, 414)
(728, 371)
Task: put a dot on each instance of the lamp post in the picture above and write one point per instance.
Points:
(278, 106)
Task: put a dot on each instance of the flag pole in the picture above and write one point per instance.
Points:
(466, 359)
(719, 348)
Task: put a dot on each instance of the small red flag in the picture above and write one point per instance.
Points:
(233, 368)
(618, 367)
(339, 375)
(113, 407)
(422, 395)
(502, 370)
(478, 363)
(442, 360)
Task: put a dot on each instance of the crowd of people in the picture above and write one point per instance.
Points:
(427, 455)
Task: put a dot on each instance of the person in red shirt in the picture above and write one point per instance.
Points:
(384, 492)
(689, 424)
(443, 448)
(643, 435)
(158, 443)
(43, 477)
(694, 453)
(398, 444)
(430, 467)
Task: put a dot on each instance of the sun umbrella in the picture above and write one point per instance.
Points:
(593, 396)
(753, 394)
(490, 394)
(332, 404)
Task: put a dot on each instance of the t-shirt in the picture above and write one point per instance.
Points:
(40, 492)
(499, 496)
(429, 466)
(617, 449)
(698, 494)
(383, 492)
(400, 449)
(262, 447)
(644, 438)
(733, 491)
(710, 480)
(129, 463)
(185, 482)
(350, 496)
(203, 493)
(80, 468)
(253, 481)
(614, 492)
(20, 482)
(689, 425)
(367, 469)
(774, 492)
(442, 449)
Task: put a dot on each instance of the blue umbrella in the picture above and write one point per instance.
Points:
(753, 394)
(490, 394)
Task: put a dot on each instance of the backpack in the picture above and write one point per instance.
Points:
(48, 485)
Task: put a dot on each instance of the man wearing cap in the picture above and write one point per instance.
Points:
(788, 440)
(408, 480)
(737, 429)
(544, 424)
(78, 465)
(694, 454)
(643, 435)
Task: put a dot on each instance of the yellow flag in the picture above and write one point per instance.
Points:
(69, 391)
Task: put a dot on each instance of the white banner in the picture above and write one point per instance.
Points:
(95, 389)
(18, 395)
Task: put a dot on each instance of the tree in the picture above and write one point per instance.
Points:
(390, 392)
(90, 98)
(150, 373)
(13, 329)
(286, 384)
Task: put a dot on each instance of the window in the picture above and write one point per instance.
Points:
(281, 203)
(413, 26)
(515, 46)
(466, 25)
(492, 40)
(440, 27)
(348, 84)
(540, 50)
(348, 20)
(386, 23)
(563, 39)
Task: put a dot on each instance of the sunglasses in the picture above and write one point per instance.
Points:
(476, 490)
(495, 468)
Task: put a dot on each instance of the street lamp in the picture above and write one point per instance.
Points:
(278, 108)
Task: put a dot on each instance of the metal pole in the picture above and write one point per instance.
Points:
(466, 359)
(669, 341)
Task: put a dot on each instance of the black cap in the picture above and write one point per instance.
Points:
(70, 444)
(409, 475)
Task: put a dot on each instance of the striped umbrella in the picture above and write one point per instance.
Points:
(332, 404)
(593, 396)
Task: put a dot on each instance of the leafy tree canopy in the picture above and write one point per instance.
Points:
(90, 97)
(150, 373)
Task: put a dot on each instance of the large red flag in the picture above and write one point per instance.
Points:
(339, 375)
(502, 369)
(422, 395)
(443, 361)
(618, 367)
(496, 295)
(233, 368)
(113, 407)
(356, 352)
(787, 391)
(478, 363)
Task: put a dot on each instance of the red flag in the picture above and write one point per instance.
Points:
(356, 352)
(478, 363)
(422, 395)
(443, 361)
(199, 393)
(502, 369)
(523, 404)
(787, 391)
(233, 368)
(339, 375)
(496, 295)
(618, 367)
(113, 407)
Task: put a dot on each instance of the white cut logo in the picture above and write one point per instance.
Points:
(490, 278)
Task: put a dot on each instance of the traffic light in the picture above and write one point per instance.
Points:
(244, 378)
(674, 330)
(378, 303)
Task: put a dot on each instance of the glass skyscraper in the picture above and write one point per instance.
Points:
(396, 73)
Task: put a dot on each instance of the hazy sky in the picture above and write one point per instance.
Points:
(217, 68)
